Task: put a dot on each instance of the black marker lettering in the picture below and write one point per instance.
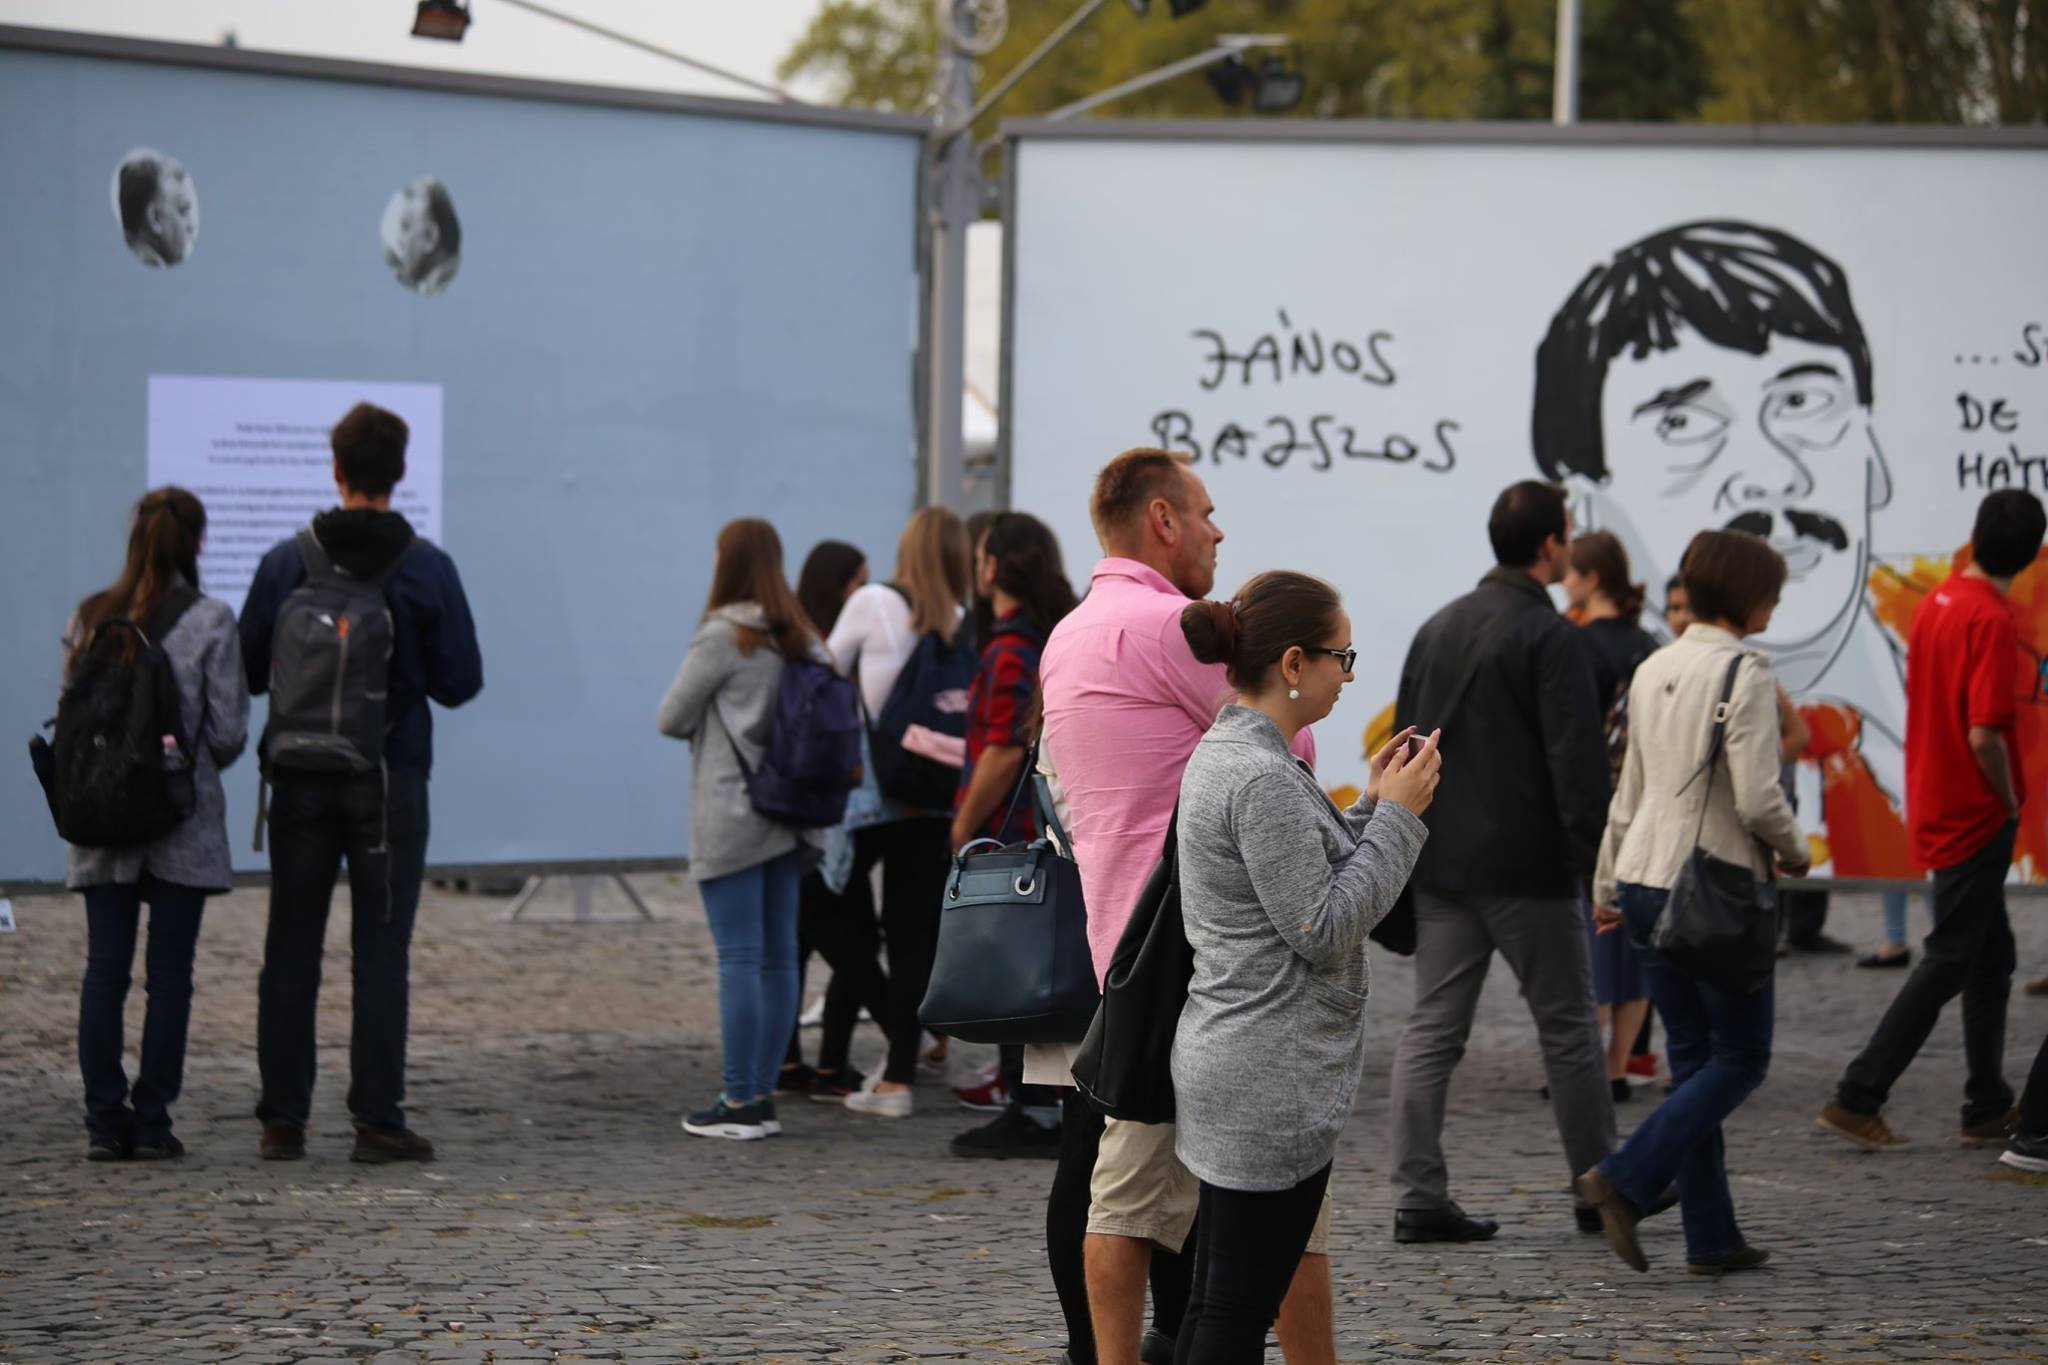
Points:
(1219, 357)
(1385, 376)
(1175, 430)
(1443, 439)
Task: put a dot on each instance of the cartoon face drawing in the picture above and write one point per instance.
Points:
(157, 207)
(421, 237)
(1715, 376)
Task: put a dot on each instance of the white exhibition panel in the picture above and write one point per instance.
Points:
(1345, 332)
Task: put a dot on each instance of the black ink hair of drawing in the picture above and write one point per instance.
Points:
(1734, 284)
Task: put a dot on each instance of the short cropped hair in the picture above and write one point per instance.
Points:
(1127, 485)
(1734, 284)
(1728, 575)
(2010, 524)
(1524, 516)
(369, 444)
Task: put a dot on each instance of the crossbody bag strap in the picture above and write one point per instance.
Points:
(1717, 732)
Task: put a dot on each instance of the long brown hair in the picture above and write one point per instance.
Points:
(1029, 568)
(163, 546)
(749, 569)
(821, 584)
(933, 565)
(1600, 553)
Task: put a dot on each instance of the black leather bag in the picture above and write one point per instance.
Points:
(1125, 1066)
(1720, 922)
(1013, 964)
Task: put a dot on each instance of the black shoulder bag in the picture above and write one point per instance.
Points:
(1720, 923)
(1013, 964)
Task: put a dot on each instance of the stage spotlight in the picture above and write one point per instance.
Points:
(1274, 86)
(444, 19)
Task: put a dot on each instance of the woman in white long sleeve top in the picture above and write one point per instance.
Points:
(875, 636)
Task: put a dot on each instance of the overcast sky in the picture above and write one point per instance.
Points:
(746, 36)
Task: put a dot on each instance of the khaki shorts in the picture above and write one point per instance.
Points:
(1141, 1190)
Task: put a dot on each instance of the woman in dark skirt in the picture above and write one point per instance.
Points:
(1609, 607)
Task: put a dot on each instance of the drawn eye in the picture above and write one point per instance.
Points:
(1802, 402)
(1689, 424)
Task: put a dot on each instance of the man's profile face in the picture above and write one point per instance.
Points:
(409, 230)
(174, 212)
(1702, 437)
(1194, 557)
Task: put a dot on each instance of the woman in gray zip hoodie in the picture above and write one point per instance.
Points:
(747, 867)
(1278, 890)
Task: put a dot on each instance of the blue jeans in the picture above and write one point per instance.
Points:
(753, 917)
(1895, 915)
(1720, 1047)
(112, 916)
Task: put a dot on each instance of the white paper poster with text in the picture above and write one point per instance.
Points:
(256, 452)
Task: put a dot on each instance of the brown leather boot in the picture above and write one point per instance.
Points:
(282, 1142)
(1868, 1131)
(1618, 1217)
(378, 1145)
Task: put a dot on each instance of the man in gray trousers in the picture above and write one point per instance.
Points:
(1511, 684)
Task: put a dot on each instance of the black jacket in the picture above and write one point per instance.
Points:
(434, 650)
(1524, 797)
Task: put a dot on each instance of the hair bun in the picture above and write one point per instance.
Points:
(1211, 630)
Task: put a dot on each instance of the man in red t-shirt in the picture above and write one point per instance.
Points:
(1963, 784)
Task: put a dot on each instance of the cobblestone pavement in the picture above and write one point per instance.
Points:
(570, 1219)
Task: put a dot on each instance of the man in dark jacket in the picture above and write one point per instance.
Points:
(376, 820)
(1511, 684)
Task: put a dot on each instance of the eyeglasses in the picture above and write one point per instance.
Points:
(1345, 657)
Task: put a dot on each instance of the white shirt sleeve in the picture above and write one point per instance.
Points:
(873, 639)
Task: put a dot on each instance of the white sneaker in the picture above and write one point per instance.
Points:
(894, 1104)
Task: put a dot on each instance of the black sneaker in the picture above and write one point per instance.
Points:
(798, 1077)
(739, 1122)
(165, 1147)
(1819, 944)
(832, 1087)
(2026, 1152)
(377, 1146)
(1011, 1133)
(106, 1147)
(1156, 1348)
(770, 1125)
(1449, 1224)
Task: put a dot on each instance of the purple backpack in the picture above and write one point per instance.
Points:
(813, 759)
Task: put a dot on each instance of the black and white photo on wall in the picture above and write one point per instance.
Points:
(157, 206)
(422, 239)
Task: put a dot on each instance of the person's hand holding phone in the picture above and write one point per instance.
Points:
(1411, 778)
(1398, 744)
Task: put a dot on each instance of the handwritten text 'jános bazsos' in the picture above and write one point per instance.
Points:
(1319, 440)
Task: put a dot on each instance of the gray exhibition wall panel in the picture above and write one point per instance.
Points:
(662, 319)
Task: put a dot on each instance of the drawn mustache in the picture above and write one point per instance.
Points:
(1809, 525)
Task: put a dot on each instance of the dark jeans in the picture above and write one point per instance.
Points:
(112, 916)
(316, 822)
(1969, 953)
(2034, 1099)
(1247, 1246)
(1066, 1237)
(1719, 1046)
(842, 930)
(914, 860)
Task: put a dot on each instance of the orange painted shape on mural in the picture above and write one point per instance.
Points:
(1866, 833)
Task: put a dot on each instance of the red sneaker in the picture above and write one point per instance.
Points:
(986, 1093)
(1643, 1066)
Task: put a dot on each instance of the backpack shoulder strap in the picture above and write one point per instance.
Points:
(319, 567)
(169, 611)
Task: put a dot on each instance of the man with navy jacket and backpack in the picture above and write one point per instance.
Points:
(352, 626)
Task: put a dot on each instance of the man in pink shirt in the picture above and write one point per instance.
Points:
(1125, 704)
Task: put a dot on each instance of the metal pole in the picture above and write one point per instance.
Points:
(1564, 92)
(629, 40)
(1024, 68)
(953, 203)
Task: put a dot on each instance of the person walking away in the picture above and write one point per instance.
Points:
(747, 867)
(1278, 891)
(1511, 679)
(838, 924)
(358, 792)
(153, 616)
(877, 635)
(1964, 790)
(1126, 701)
(1021, 588)
(1679, 790)
(1608, 607)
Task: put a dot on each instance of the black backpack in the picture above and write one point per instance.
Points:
(1125, 1065)
(330, 665)
(812, 763)
(118, 770)
(923, 724)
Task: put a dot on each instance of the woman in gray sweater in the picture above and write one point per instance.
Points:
(748, 868)
(1278, 891)
(157, 589)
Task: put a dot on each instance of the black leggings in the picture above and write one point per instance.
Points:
(914, 860)
(842, 930)
(1066, 1234)
(1248, 1244)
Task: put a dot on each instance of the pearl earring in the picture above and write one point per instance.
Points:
(1294, 694)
